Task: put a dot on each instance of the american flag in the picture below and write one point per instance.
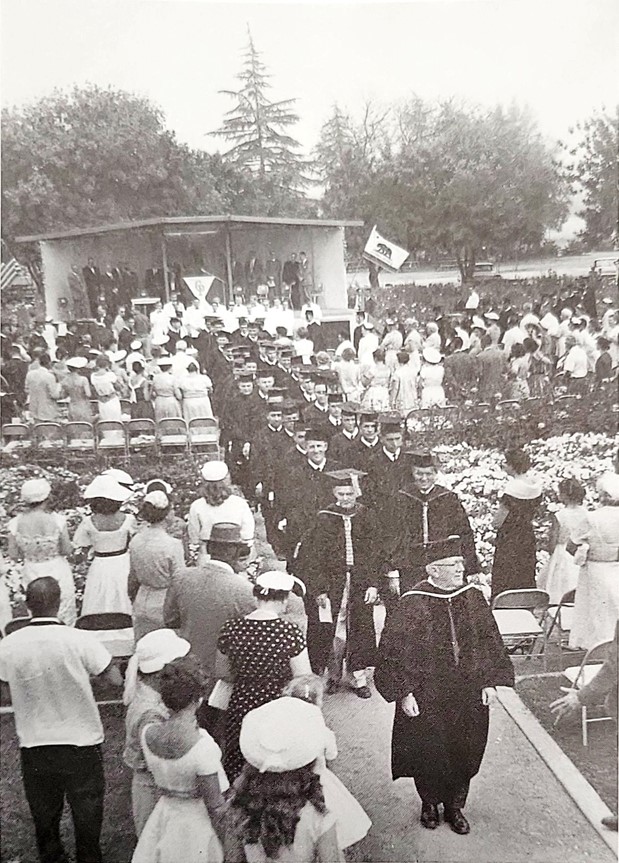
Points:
(10, 271)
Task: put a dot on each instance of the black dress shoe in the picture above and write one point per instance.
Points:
(429, 815)
(331, 687)
(610, 822)
(362, 692)
(457, 821)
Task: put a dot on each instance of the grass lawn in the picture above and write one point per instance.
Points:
(118, 838)
(598, 761)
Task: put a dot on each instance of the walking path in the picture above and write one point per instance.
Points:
(519, 812)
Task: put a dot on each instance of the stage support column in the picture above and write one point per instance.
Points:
(164, 261)
(230, 296)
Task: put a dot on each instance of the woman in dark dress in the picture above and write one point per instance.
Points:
(141, 404)
(263, 653)
(515, 549)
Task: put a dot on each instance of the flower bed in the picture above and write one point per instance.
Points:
(475, 473)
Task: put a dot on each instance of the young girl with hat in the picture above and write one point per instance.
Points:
(352, 821)
(107, 532)
(185, 763)
(278, 811)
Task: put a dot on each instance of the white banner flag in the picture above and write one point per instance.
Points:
(383, 252)
(199, 285)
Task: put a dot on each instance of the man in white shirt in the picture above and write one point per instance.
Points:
(368, 344)
(343, 342)
(575, 366)
(193, 319)
(513, 335)
(48, 667)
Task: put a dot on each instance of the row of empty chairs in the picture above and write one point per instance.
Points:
(200, 434)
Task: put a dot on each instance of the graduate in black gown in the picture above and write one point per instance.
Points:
(336, 561)
(439, 654)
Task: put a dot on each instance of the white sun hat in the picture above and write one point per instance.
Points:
(121, 476)
(432, 355)
(214, 471)
(106, 487)
(284, 734)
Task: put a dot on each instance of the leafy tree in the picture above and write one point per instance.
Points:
(96, 155)
(450, 180)
(593, 167)
(261, 146)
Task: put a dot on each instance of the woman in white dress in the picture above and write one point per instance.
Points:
(392, 343)
(561, 573)
(376, 379)
(107, 532)
(40, 539)
(431, 377)
(195, 389)
(106, 387)
(185, 763)
(596, 605)
(349, 373)
(165, 392)
(217, 504)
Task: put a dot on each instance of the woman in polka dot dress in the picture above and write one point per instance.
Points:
(263, 652)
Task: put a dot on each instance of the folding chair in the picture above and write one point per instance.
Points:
(112, 437)
(203, 434)
(125, 407)
(520, 617)
(113, 629)
(141, 434)
(80, 437)
(561, 616)
(16, 436)
(15, 624)
(581, 675)
(509, 404)
(48, 435)
(173, 434)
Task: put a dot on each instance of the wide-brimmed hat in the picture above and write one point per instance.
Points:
(35, 490)
(164, 362)
(432, 355)
(106, 487)
(76, 363)
(214, 471)
(523, 488)
(117, 356)
(152, 653)
(284, 734)
(121, 476)
(608, 483)
(277, 579)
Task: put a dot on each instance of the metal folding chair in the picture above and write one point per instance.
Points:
(560, 616)
(141, 434)
(581, 675)
(112, 437)
(80, 437)
(16, 436)
(48, 435)
(173, 434)
(521, 617)
(203, 434)
(115, 632)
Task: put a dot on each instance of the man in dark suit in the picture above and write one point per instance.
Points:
(366, 443)
(341, 442)
(316, 413)
(314, 332)
(92, 280)
(254, 272)
(358, 331)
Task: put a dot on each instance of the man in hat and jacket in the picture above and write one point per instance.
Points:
(386, 465)
(440, 656)
(266, 452)
(342, 441)
(336, 562)
(201, 599)
(422, 512)
(366, 445)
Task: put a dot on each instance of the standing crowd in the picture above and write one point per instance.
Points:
(225, 737)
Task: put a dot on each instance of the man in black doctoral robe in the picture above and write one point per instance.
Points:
(335, 559)
(422, 512)
(440, 655)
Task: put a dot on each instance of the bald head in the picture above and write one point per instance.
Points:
(43, 597)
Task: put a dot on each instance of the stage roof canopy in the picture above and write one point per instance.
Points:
(179, 222)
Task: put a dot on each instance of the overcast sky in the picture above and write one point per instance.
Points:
(559, 58)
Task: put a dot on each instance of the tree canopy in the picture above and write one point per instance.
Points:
(261, 147)
(444, 179)
(593, 168)
(92, 155)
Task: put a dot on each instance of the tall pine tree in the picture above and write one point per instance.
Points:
(261, 147)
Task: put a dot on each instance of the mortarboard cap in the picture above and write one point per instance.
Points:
(317, 434)
(390, 418)
(350, 408)
(368, 417)
(420, 457)
(246, 376)
(441, 549)
(336, 398)
(289, 406)
(264, 372)
(346, 477)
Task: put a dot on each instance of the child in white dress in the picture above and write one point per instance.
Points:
(352, 821)
(561, 572)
